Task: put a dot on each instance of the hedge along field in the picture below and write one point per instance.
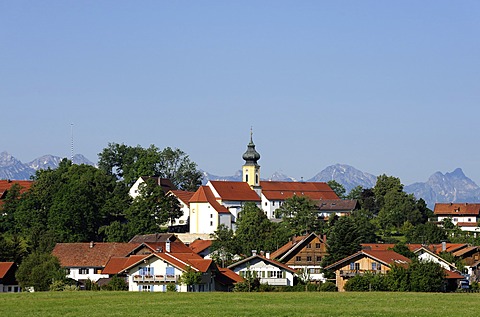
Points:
(238, 304)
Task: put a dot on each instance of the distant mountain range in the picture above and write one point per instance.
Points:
(448, 187)
(12, 168)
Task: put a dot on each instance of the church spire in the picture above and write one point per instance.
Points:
(251, 169)
(251, 156)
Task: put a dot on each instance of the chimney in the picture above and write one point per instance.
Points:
(92, 244)
(254, 252)
(167, 245)
(444, 246)
(267, 255)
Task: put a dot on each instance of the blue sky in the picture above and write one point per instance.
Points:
(387, 87)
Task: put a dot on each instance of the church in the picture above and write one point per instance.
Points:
(220, 202)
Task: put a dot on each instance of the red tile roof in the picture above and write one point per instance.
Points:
(5, 186)
(453, 275)
(235, 191)
(227, 276)
(286, 247)
(83, 255)
(183, 195)
(435, 248)
(199, 245)
(387, 257)
(4, 268)
(262, 258)
(283, 190)
(457, 209)
(205, 195)
(117, 264)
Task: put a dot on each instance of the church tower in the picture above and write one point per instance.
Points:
(251, 169)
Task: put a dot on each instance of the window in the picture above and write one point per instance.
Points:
(211, 223)
(319, 258)
(374, 266)
(273, 203)
(275, 274)
(266, 204)
(317, 245)
(309, 258)
(469, 219)
(256, 179)
(379, 266)
(309, 246)
(352, 266)
(298, 258)
(246, 178)
(83, 271)
(146, 288)
(211, 216)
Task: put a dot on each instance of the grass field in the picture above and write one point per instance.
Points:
(104, 304)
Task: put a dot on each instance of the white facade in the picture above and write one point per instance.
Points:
(269, 206)
(267, 272)
(205, 219)
(154, 275)
(85, 273)
(183, 220)
(134, 190)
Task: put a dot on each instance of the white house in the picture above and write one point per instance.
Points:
(85, 261)
(165, 183)
(269, 271)
(155, 266)
(463, 215)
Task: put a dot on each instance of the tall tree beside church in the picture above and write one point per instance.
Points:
(343, 240)
(301, 215)
(254, 230)
(151, 209)
(129, 163)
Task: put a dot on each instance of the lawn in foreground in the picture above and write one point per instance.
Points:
(237, 304)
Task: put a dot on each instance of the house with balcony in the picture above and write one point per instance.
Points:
(365, 261)
(153, 266)
(304, 253)
(269, 271)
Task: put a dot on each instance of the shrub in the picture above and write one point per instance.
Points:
(327, 287)
(171, 287)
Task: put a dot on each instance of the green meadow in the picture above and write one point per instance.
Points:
(104, 304)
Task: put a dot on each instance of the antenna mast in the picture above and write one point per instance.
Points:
(71, 137)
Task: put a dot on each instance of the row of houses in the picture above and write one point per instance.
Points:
(153, 262)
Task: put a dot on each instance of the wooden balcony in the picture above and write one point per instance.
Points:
(161, 279)
(352, 273)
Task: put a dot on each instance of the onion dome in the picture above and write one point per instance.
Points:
(251, 156)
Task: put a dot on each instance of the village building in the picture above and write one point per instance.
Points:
(463, 215)
(267, 270)
(8, 282)
(220, 202)
(304, 254)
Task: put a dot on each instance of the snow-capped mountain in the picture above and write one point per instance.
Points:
(12, 168)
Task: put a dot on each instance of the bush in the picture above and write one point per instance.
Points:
(171, 287)
(327, 287)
